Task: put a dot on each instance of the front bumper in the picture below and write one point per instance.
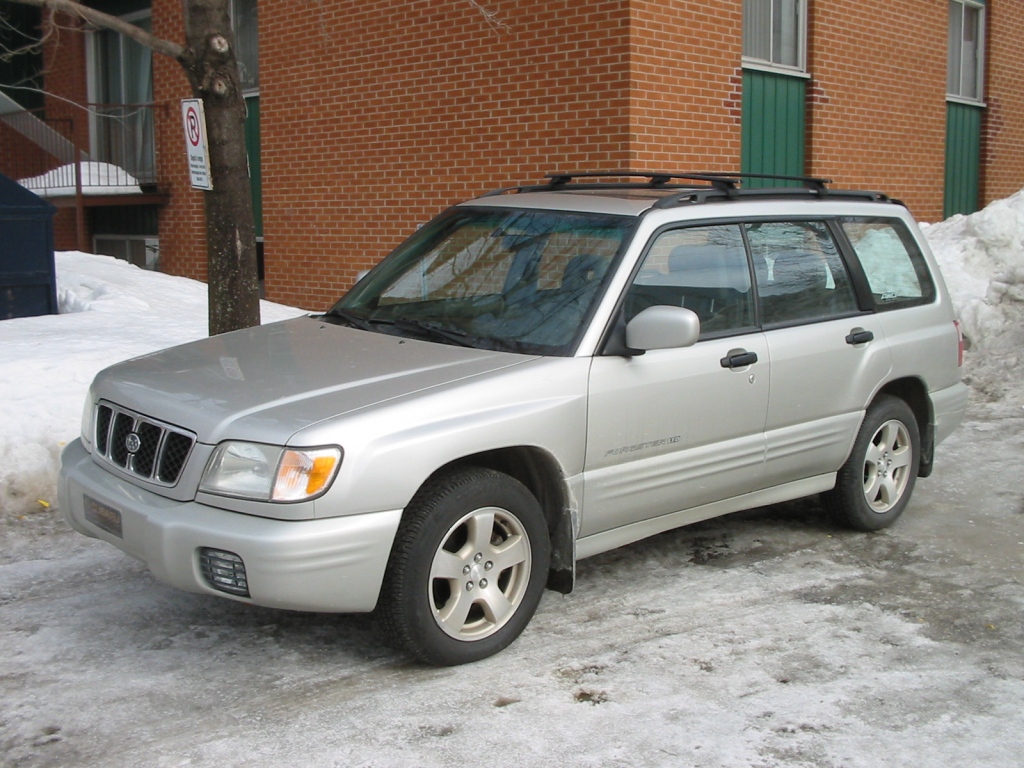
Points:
(332, 565)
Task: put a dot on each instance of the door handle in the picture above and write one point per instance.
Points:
(859, 336)
(738, 358)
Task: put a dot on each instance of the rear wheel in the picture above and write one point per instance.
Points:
(874, 486)
(467, 569)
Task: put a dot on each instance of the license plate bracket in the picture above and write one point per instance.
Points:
(103, 516)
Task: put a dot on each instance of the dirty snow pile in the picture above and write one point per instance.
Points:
(111, 311)
(982, 260)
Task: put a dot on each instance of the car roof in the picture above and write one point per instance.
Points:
(596, 192)
(582, 202)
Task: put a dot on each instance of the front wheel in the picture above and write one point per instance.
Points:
(467, 569)
(874, 485)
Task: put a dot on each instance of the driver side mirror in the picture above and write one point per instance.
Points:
(663, 327)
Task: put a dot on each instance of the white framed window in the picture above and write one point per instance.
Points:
(965, 73)
(119, 74)
(141, 250)
(120, 70)
(775, 34)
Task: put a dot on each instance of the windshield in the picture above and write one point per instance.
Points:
(510, 279)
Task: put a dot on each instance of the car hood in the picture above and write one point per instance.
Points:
(266, 383)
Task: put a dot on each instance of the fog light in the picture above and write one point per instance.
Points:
(224, 571)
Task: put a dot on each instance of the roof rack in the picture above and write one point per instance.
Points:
(723, 182)
(717, 186)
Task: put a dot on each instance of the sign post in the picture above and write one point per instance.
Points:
(195, 143)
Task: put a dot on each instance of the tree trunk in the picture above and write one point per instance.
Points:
(230, 232)
(208, 60)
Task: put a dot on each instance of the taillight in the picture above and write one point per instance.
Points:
(960, 344)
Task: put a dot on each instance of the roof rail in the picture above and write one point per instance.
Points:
(716, 187)
(721, 181)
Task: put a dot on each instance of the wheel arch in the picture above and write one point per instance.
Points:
(543, 476)
(914, 393)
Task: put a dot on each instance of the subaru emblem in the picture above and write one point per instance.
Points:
(132, 443)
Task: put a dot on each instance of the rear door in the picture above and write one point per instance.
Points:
(827, 353)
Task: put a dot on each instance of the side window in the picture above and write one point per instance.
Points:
(800, 275)
(700, 268)
(891, 260)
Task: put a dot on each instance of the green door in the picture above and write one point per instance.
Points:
(963, 158)
(773, 124)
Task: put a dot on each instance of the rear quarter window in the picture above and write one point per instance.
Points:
(893, 264)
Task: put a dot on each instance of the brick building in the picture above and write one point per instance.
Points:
(367, 117)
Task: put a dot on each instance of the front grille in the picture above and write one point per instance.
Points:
(224, 571)
(149, 449)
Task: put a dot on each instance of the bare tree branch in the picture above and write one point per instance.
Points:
(491, 17)
(105, 20)
(31, 45)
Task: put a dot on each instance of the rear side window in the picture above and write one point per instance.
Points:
(892, 262)
(800, 276)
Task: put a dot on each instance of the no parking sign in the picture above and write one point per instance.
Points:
(195, 143)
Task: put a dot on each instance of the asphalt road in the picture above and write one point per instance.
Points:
(767, 638)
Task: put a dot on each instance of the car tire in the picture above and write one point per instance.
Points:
(874, 485)
(467, 569)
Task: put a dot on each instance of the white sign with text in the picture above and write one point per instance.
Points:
(195, 143)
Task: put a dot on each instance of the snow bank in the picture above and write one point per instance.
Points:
(982, 260)
(110, 311)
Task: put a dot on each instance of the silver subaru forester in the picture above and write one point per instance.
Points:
(536, 376)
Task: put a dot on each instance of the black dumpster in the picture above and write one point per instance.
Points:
(28, 282)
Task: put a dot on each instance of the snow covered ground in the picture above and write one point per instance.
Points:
(764, 639)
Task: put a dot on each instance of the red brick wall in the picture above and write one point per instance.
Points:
(377, 114)
(19, 157)
(877, 97)
(182, 222)
(1003, 140)
(684, 108)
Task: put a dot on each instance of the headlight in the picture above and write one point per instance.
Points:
(270, 472)
(87, 415)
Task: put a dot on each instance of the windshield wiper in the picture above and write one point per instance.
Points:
(424, 330)
(432, 331)
(354, 320)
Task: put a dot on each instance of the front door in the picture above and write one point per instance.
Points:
(672, 429)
